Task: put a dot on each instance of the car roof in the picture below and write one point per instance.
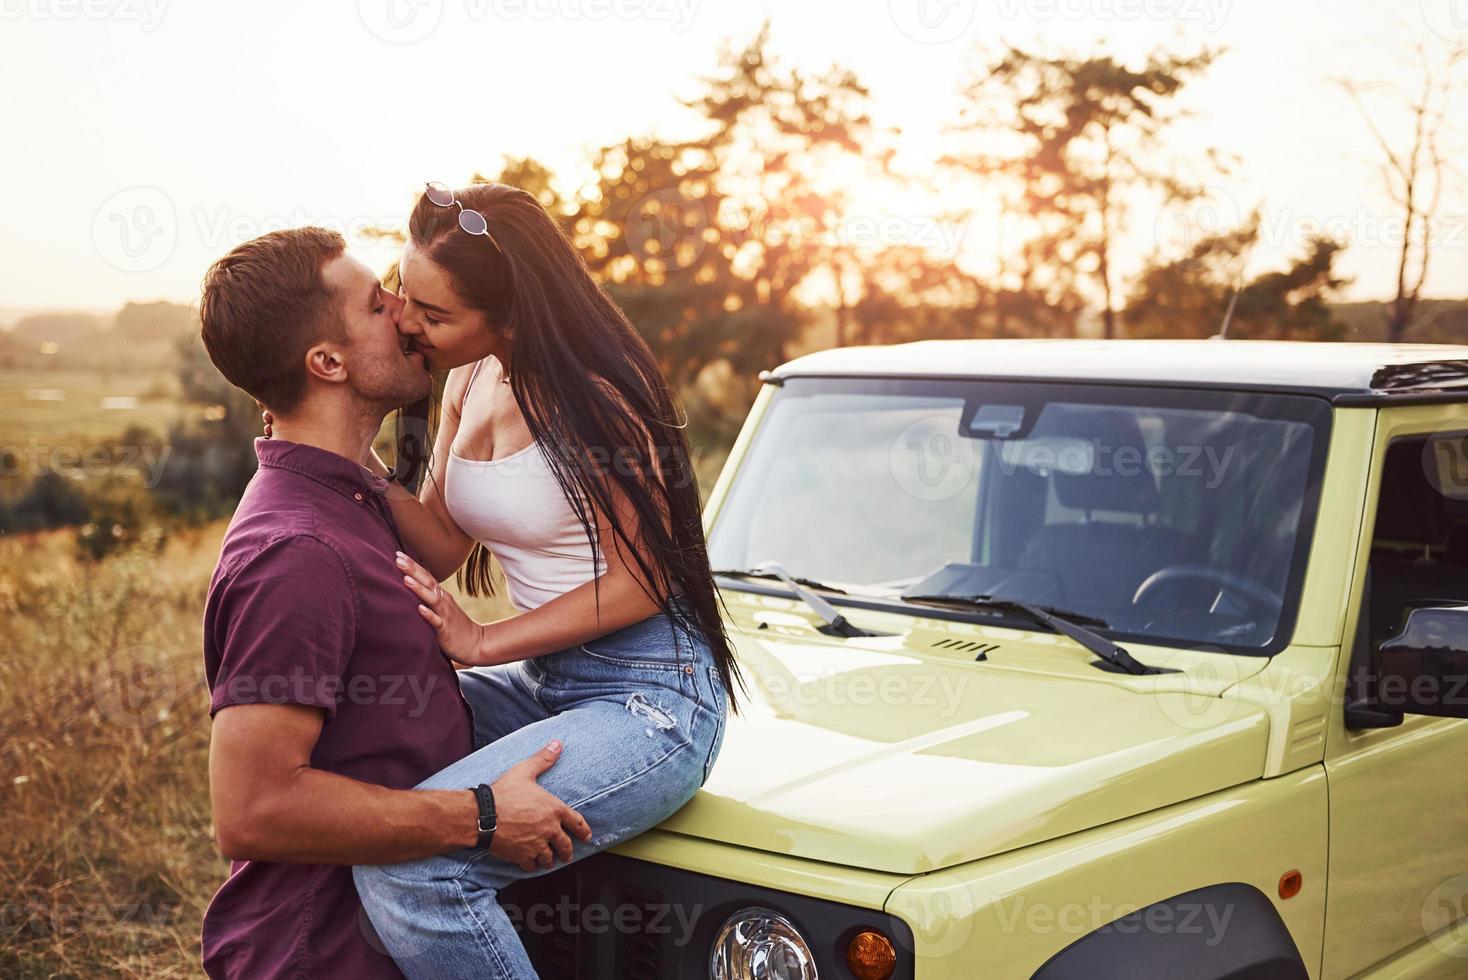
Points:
(1343, 371)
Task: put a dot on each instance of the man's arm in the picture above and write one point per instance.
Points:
(270, 805)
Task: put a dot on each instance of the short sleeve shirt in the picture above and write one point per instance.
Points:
(307, 607)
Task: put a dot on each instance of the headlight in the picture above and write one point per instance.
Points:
(758, 944)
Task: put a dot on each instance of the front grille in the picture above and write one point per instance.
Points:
(589, 921)
(615, 917)
(641, 950)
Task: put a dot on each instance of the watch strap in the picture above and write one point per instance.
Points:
(487, 819)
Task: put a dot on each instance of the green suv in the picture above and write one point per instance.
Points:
(1073, 659)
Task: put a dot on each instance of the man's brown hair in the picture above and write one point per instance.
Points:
(264, 305)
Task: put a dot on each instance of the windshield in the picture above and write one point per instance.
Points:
(1172, 516)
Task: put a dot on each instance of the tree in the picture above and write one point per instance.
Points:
(1293, 304)
(534, 177)
(907, 296)
(647, 230)
(154, 321)
(211, 456)
(705, 242)
(1080, 138)
(1191, 297)
(1414, 175)
(62, 329)
(781, 147)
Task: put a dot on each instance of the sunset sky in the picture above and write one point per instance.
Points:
(144, 138)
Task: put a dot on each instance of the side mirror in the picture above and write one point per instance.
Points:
(1424, 669)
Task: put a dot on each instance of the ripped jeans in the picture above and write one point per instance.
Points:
(640, 713)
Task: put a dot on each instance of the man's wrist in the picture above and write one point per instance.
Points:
(465, 821)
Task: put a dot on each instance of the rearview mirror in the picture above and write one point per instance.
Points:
(1424, 669)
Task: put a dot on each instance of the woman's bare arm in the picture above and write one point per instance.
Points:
(424, 521)
(619, 597)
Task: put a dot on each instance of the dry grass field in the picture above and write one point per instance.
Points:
(107, 862)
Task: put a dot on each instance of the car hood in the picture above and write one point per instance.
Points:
(901, 754)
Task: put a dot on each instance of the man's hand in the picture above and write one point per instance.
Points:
(270, 805)
(532, 826)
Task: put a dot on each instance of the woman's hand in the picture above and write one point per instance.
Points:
(458, 635)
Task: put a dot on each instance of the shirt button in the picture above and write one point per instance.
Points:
(357, 495)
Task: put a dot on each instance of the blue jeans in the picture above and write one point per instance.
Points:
(640, 713)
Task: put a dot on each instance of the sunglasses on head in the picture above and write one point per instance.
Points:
(470, 220)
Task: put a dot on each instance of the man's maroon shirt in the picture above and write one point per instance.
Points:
(307, 607)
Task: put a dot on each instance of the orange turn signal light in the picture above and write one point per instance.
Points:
(1290, 884)
(871, 956)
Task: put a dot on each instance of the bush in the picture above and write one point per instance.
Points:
(52, 500)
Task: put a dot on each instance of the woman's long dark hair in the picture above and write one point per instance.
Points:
(591, 393)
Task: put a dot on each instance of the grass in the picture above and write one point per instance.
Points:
(107, 862)
(66, 408)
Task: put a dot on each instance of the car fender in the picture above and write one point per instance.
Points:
(1221, 932)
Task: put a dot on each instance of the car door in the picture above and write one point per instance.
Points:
(1398, 865)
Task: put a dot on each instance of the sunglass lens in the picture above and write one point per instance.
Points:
(440, 195)
(473, 222)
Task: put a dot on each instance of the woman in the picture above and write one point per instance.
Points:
(559, 451)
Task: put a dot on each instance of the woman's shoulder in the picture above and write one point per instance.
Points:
(456, 385)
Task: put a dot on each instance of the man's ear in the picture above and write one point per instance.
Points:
(325, 363)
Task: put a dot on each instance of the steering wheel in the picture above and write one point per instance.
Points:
(1257, 596)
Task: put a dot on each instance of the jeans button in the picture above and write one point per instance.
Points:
(688, 669)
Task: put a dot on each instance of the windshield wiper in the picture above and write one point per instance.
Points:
(768, 570)
(836, 624)
(1060, 621)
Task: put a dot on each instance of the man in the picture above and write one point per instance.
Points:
(329, 694)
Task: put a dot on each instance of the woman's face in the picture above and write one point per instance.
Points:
(442, 327)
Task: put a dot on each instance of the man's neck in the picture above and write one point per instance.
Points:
(336, 429)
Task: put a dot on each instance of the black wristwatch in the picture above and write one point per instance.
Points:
(485, 795)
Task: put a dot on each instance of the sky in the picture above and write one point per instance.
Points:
(147, 137)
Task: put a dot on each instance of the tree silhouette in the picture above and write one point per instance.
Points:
(1414, 175)
(1191, 297)
(1081, 138)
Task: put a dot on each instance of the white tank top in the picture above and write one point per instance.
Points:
(515, 508)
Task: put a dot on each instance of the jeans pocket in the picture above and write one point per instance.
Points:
(651, 645)
(719, 711)
(620, 654)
